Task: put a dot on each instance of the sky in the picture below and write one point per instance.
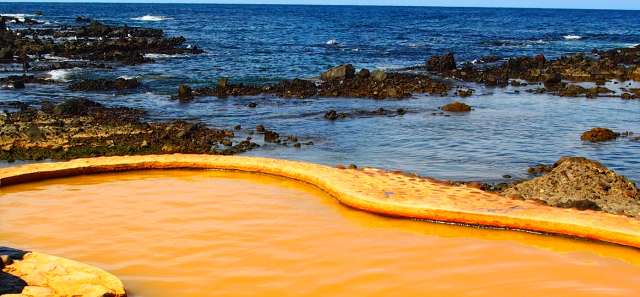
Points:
(584, 4)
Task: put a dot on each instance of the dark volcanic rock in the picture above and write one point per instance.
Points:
(94, 42)
(119, 84)
(581, 183)
(456, 107)
(83, 128)
(333, 115)
(599, 135)
(378, 85)
(443, 63)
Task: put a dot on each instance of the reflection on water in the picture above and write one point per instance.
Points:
(212, 233)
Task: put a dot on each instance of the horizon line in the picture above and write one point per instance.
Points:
(309, 4)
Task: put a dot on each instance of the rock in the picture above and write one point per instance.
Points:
(364, 73)
(581, 183)
(185, 93)
(443, 63)
(252, 105)
(599, 135)
(6, 53)
(260, 129)
(119, 84)
(552, 79)
(38, 291)
(635, 74)
(378, 75)
(271, 136)
(465, 92)
(539, 169)
(82, 128)
(82, 19)
(345, 71)
(456, 107)
(223, 82)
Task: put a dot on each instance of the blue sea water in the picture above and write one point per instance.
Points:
(261, 43)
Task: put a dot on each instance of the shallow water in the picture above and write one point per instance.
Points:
(211, 233)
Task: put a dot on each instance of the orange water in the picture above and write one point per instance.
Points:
(211, 233)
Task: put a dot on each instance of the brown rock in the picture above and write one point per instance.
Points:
(456, 107)
(581, 183)
(443, 63)
(339, 72)
(599, 135)
(185, 93)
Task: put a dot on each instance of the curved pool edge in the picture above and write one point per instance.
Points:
(371, 190)
(47, 275)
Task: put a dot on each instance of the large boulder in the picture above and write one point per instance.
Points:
(339, 72)
(443, 63)
(576, 182)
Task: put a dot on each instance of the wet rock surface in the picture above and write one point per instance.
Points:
(379, 85)
(93, 42)
(333, 115)
(82, 128)
(576, 182)
(620, 64)
(456, 107)
(599, 135)
(119, 84)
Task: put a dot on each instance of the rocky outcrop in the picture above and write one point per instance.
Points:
(456, 107)
(599, 135)
(441, 64)
(31, 274)
(83, 128)
(120, 84)
(339, 72)
(333, 115)
(378, 85)
(576, 182)
(94, 42)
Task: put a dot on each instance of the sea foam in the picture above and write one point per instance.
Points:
(61, 75)
(572, 37)
(151, 18)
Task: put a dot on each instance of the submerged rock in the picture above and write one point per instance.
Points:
(456, 107)
(599, 135)
(576, 182)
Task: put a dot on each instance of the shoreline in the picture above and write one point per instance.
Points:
(375, 191)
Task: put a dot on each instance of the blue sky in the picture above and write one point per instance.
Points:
(586, 4)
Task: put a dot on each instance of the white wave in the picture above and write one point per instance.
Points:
(20, 16)
(53, 58)
(572, 37)
(61, 75)
(151, 18)
(127, 77)
(163, 56)
(331, 42)
(634, 45)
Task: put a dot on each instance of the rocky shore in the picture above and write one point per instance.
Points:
(83, 128)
